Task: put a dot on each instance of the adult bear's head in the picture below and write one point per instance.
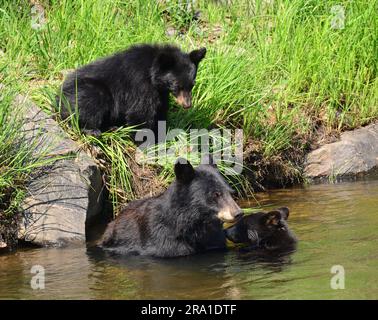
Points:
(204, 193)
(176, 71)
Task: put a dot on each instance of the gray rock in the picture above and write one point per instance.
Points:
(67, 194)
(355, 154)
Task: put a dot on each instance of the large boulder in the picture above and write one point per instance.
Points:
(356, 153)
(67, 194)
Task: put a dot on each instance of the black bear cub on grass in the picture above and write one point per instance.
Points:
(130, 88)
(264, 230)
(187, 218)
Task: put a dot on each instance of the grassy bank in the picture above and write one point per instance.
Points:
(289, 73)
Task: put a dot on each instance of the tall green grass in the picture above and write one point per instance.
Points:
(19, 160)
(277, 69)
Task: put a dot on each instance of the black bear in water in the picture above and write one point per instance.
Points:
(267, 230)
(187, 218)
(130, 88)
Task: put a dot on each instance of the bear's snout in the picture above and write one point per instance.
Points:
(184, 99)
(229, 210)
(230, 214)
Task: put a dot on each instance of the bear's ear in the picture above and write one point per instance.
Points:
(183, 170)
(284, 212)
(272, 218)
(197, 55)
(165, 61)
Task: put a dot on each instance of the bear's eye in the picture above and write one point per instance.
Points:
(217, 194)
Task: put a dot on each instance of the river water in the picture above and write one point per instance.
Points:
(337, 225)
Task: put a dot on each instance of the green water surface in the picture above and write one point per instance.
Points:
(336, 224)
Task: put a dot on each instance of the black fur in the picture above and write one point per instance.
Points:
(263, 230)
(181, 221)
(130, 88)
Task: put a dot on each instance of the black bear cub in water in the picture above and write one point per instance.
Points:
(130, 88)
(187, 218)
(264, 230)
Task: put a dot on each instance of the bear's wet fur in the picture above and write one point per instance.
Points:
(130, 87)
(186, 219)
(268, 230)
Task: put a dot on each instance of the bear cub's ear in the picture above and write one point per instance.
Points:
(183, 170)
(197, 55)
(284, 212)
(272, 218)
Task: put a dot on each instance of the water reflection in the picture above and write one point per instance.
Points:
(203, 276)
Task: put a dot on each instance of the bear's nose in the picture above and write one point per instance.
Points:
(184, 99)
(238, 215)
(187, 104)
